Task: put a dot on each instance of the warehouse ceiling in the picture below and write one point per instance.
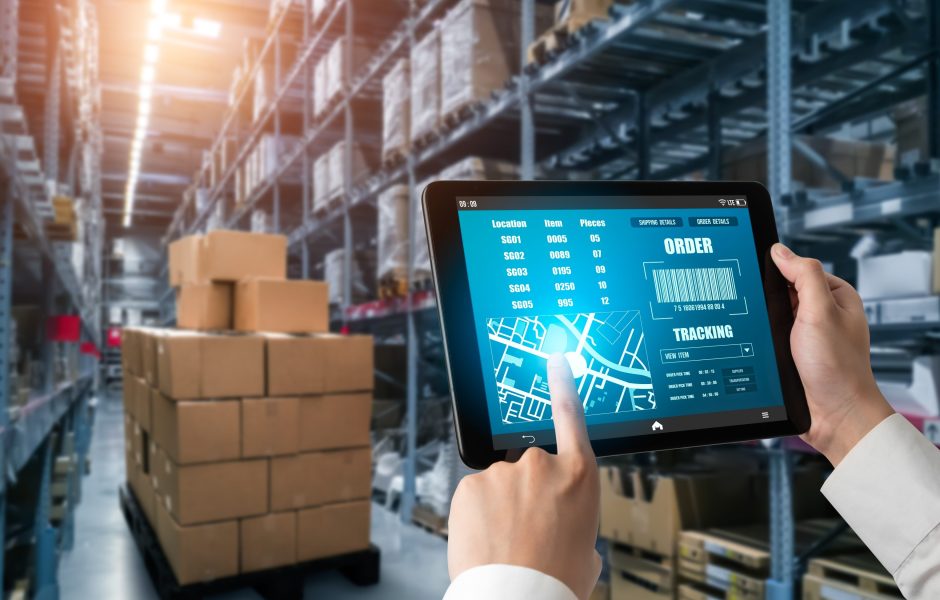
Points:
(193, 73)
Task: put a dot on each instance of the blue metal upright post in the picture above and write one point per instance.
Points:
(781, 583)
(46, 582)
(6, 291)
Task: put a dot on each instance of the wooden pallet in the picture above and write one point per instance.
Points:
(361, 568)
(650, 570)
(859, 571)
(428, 520)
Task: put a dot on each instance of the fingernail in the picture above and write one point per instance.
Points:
(782, 251)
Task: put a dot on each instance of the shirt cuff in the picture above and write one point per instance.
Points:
(886, 488)
(509, 582)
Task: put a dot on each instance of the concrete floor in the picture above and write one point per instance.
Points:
(105, 562)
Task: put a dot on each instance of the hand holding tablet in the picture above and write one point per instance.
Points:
(661, 296)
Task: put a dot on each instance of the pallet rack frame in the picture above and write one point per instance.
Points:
(711, 94)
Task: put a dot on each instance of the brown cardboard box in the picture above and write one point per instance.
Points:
(145, 494)
(214, 492)
(200, 365)
(130, 351)
(236, 255)
(649, 512)
(270, 426)
(349, 363)
(137, 446)
(281, 306)
(335, 421)
(194, 432)
(147, 339)
(201, 552)
(634, 577)
(319, 478)
(332, 530)
(268, 541)
(204, 306)
(129, 460)
(142, 409)
(295, 364)
(129, 389)
(184, 260)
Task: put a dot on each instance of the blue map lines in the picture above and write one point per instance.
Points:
(606, 351)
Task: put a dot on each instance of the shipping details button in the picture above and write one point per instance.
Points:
(747, 349)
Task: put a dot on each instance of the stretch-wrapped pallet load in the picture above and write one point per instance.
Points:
(474, 167)
(336, 76)
(337, 168)
(321, 181)
(319, 86)
(318, 9)
(426, 85)
(392, 243)
(479, 51)
(248, 450)
(333, 269)
(422, 254)
(396, 110)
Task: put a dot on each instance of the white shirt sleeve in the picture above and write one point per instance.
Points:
(507, 582)
(887, 488)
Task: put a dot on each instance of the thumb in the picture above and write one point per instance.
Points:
(806, 275)
(570, 429)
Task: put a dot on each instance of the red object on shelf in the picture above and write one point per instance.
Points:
(90, 349)
(64, 328)
(114, 337)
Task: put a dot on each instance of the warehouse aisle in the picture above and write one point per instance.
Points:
(105, 562)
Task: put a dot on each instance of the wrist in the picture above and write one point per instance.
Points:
(842, 432)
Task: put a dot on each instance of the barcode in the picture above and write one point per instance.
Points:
(694, 285)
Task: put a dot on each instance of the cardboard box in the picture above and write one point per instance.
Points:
(270, 426)
(183, 257)
(205, 493)
(317, 478)
(909, 310)
(143, 411)
(648, 512)
(236, 255)
(335, 421)
(900, 275)
(396, 110)
(634, 577)
(426, 85)
(129, 388)
(198, 553)
(204, 306)
(295, 365)
(911, 127)
(146, 496)
(349, 363)
(195, 432)
(268, 541)
(147, 339)
(130, 351)
(333, 530)
(137, 446)
(200, 365)
(281, 306)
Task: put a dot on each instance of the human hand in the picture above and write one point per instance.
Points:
(540, 512)
(830, 347)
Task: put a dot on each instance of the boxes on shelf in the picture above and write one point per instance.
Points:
(479, 51)
(336, 75)
(204, 306)
(333, 269)
(318, 9)
(261, 222)
(426, 85)
(871, 160)
(321, 181)
(320, 81)
(900, 311)
(899, 275)
(396, 110)
(336, 178)
(910, 124)
(474, 167)
(639, 575)
(857, 576)
(281, 306)
(392, 239)
(421, 253)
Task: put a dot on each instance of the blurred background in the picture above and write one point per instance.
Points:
(127, 127)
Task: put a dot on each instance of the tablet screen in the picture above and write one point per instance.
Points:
(657, 303)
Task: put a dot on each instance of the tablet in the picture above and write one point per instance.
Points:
(662, 296)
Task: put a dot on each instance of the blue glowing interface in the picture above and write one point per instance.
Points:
(659, 311)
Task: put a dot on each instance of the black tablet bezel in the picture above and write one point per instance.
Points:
(471, 418)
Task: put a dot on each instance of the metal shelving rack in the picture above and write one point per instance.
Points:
(33, 435)
(657, 91)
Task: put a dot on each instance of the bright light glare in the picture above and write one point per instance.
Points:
(206, 27)
(158, 7)
(147, 74)
(151, 53)
(154, 30)
(172, 20)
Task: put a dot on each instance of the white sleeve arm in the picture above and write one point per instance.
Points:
(507, 582)
(888, 490)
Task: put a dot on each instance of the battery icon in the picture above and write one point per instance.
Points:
(738, 202)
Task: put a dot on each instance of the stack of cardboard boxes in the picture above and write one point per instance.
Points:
(248, 449)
